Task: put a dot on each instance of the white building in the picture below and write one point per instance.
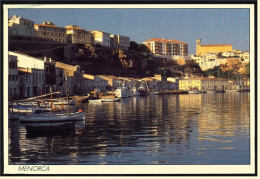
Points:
(102, 38)
(21, 26)
(31, 72)
(13, 88)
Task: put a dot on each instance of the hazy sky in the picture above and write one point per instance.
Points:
(213, 26)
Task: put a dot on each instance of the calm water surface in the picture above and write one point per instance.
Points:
(167, 129)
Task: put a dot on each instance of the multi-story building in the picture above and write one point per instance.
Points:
(49, 31)
(98, 83)
(167, 47)
(204, 84)
(21, 26)
(13, 83)
(74, 77)
(78, 35)
(102, 38)
(35, 73)
(216, 48)
(119, 42)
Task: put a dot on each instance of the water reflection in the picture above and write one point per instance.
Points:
(207, 128)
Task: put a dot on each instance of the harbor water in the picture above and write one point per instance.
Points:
(199, 129)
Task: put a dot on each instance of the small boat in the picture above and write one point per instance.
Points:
(95, 100)
(194, 92)
(110, 100)
(60, 101)
(52, 117)
(154, 93)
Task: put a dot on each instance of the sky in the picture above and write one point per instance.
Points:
(213, 26)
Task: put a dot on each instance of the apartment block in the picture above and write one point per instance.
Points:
(119, 42)
(20, 26)
(167, 47)
(78, 35)
(49, 31)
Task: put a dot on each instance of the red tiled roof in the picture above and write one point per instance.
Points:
(53, 26)
(165, 40)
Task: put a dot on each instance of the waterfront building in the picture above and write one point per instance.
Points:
(33, 69)
(174, 83)
(13, 83)
(49, 31)
(167, 47)
(204, 84)
(25, 82)
(112, 80)
(60, 80)
(74, 77)
(119, 42)
(99, 83)
(78, 35)
(102, 38)
(215, 48)
(20, 26)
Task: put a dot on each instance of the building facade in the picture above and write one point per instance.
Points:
(13, 85)
(49, 31)
(21, 26)
(31, 74)
(78, 35)
(167, 47)
(204, 84)
(201, 50)
(102, 38)
(119, 42)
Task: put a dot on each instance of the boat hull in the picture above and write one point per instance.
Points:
(194, 92)
(49, 117)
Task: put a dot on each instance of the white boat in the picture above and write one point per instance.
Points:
(194, 92)
(154, 93)
(121, 92)
(61, 101)
(94, 100)
(110, 100)
(52, 117)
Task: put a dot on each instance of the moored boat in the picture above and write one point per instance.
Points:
(121, 92)
(52, 117)
(194, 92)
(110, 100)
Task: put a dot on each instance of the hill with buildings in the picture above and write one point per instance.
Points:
(99, 60)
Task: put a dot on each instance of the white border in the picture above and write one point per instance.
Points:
(136, 169)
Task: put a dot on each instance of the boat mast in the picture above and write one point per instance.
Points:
(66, 81)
